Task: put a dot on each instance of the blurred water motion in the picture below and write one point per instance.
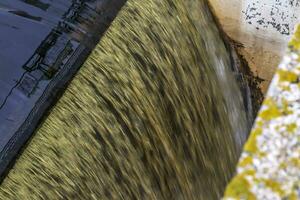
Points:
(154, 113)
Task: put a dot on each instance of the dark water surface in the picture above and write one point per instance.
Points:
(154, 113)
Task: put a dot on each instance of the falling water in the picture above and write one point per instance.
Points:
(154, 113)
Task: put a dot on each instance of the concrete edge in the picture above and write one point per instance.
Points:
(48, 98)
(269, 167)
(55, 89)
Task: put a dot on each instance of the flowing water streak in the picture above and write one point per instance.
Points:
(154, 113)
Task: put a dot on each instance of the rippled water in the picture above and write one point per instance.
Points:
(154, 113)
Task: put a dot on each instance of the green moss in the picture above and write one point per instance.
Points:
(239, 187)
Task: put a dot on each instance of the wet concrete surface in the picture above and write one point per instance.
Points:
(26, 32)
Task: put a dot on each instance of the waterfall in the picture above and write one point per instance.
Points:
(154, 113)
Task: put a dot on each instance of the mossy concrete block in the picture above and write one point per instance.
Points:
(269, 167)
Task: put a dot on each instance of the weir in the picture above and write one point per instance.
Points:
(160, 109)
(43, 45)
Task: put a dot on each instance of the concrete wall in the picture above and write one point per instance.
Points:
(269, 167)
(261, 27)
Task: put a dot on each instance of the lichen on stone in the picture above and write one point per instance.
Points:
(251, 146)
(295, 41)
(285, 75)
(246, 161)
(272, 152)
(273, 185)
(239, 188)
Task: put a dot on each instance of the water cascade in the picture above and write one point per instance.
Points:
(154, 113)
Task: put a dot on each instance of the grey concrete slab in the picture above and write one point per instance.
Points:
(43, 32)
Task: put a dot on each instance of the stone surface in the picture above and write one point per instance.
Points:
(269, 167)
(262, 28)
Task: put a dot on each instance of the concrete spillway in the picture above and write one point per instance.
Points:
(150, 115)
(43, 44)
(156, 111)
